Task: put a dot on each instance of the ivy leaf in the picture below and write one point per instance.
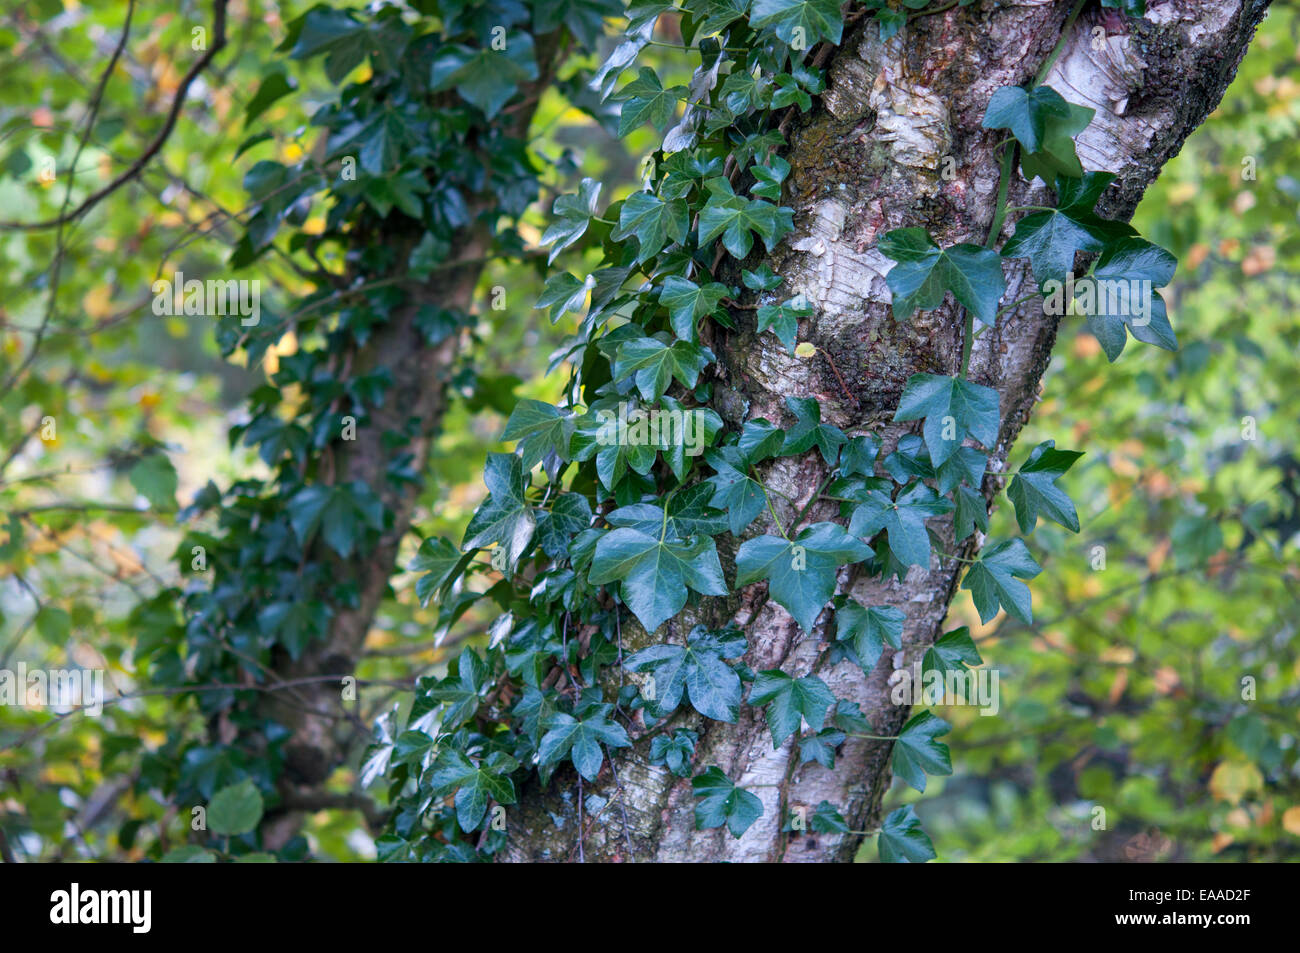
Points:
(952, 652)
(904, 520)
(1126, 269)
(676, 752)
(821, 747)
(902, 841)
(783, 319)
(235, 810)
(687, 302)
(336, 34)
(540, 428)
(967, 465)
(568, 516)
(790, 701)
(581, 740)
(722, 802)
(1034, 489)
(274, 86)
(1026, 113)
(574, 213)
(505, 517)
(809, 431)
(972, 511)
(1134, 8)
(916, 753)
(800, 573)
(827, 820)
(993, 580)
(653, 221)
(859, 455)
(696, 669)
(653, 363)
(760, 439)
(952, 408)
(645, 100)
(475, 784)
(867, 629)
(155, 479)
(340, 512)
(563, 293)
(295, 625)
(738, 219)
(735, 492)
(768, 178)
(687, 515)
(813, 19)
(461, 692)
(1051, 239)
(486, 78)
(925, 272)
(654, 573)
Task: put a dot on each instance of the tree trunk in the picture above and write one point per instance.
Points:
(870, 158)
(322, 729)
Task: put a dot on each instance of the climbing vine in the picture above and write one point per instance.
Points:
(599, 514)
(422, 174)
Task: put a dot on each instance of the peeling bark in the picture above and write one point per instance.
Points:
(868, 159)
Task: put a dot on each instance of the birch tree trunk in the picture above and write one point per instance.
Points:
(869, 158)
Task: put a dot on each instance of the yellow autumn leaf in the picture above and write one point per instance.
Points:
(1291, 820)
(1232, 781)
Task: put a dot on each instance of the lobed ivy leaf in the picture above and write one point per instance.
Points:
(475, 784)
(697, 670)
(799, 23)
(735, 492)
(1051, 239)
(654, 362)
(645, 100)
(791, 701)
(783, 319)
(687, 302)
(581, 740)
(952, 408)
(904, 520)
(737, 219)
(993, 580)
(675, 751)
(867, 629)
(722, 802)
(951, 652)
(505, 517)
(902, 841)
(653, 222)
(925, 272)
(540, 428)
(1033, 491)
(809, 431)
(916, 753)
(800, 573)
(654, 573)
(573, 214)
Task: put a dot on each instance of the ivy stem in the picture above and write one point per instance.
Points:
(1060, 44)
(811, 500)
(875, 737)
(772, 509)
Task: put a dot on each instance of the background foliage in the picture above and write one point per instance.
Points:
(1125, 693)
